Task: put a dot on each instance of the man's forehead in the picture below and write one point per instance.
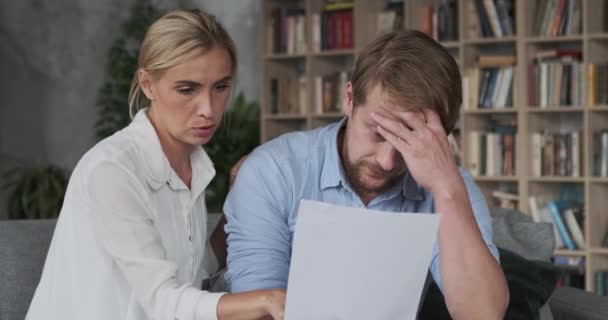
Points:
(381, 99)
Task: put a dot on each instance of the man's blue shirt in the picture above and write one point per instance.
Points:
(262, 206)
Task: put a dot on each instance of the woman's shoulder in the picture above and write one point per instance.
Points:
(119, 151)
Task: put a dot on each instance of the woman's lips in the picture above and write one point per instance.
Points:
(203, 132)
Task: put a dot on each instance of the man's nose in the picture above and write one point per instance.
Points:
(388, 157)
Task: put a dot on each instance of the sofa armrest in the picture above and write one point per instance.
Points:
(576, 304)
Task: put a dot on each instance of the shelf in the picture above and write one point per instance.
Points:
(598, 36)
(496, 178)
(491, 111)
(545, 39)
(556, 179)
(486, 41)
(336, 115)
(569, 253)
(555, 109)
(603, 251)
(526, 116)
(284, 117)
(599, 180)
(334, 53)
(285, 56)
(598, 108)
(450, 44)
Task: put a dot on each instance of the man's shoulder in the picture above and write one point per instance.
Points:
(294, 147)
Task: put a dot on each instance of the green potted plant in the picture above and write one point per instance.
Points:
(35, 192)
(112, 109)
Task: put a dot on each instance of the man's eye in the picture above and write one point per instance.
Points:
(185, 91)
(221, 87)
(376, 136)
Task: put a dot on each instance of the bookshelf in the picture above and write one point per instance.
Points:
(526, 43)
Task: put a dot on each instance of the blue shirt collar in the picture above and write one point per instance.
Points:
(332, 171)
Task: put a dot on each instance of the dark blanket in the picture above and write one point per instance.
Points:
(530, 286)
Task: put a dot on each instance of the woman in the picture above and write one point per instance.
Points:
(131, 241)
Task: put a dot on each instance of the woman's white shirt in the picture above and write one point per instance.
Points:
(131, 240)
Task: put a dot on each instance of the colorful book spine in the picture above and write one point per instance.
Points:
(557, 219)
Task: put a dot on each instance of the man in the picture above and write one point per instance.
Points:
(389, 153)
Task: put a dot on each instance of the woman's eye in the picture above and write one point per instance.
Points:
(185, 91)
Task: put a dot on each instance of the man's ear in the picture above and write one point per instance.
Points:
(145, 83)
(348, 100)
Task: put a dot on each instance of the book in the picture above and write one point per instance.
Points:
(484, 21)
(541, 9)
(473, 153)
(506, 200)
(576, 150)
(533, 205)
(503, 9)
(426, 12)
(548, 155)
(303, 94)
(574, 228)
(472, 29)
(561, 227)
(537, 154)
(508, 168)
(490, 9)
(386, 21)
(495, 60)
(541, 213)
(604, 153)
(274, 96)
(600, 283)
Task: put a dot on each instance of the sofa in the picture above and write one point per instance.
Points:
(24, 244)
(23, 248)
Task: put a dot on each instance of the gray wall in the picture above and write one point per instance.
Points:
(240, 17)
(52, 62)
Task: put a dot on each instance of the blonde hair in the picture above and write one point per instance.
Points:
(413, 69)
(174, 38)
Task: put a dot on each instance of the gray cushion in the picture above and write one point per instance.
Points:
(517, 232)
(23, 248)
(575, 304)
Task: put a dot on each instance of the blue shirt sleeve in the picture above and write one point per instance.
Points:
(484, 221)
(259, 239)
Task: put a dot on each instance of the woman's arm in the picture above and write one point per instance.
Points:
(124, 228)
(218, 242)
(252, 305)
(218, 237)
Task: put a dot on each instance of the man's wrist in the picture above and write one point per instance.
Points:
(450, 189)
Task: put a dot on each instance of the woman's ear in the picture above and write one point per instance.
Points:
(348, 99)
(145, 83)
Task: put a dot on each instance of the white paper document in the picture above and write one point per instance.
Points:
(357, 264)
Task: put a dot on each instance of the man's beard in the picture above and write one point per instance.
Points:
(355, 174)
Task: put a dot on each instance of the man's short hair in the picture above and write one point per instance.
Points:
(412, 69)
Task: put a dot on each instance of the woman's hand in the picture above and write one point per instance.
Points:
(254, 305)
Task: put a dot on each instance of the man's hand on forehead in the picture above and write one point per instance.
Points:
(419, 137)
